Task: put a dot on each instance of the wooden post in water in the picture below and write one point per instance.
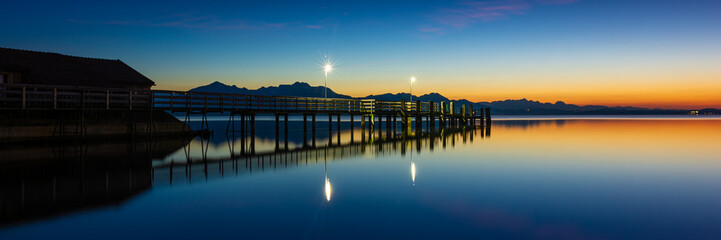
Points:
(352, 122)
(330, 123)
(488, 117)
(338, 126)
(442, 115)
(363, 128)
(388, 125)
(242, 127)
(363, 122)
(419, 118)
(313, 128)
(285, 132)
(452, 112)
(277, 130)
(472, 115)
(252, 133)
(352, 128)
(431, 118)
(463, 115)
(305, 129)
(380, 123)
(395, 124)
(482, 117)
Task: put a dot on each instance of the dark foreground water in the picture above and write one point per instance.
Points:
(523, 179)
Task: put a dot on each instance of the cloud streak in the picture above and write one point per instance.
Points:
(472, 11)
(208, 23)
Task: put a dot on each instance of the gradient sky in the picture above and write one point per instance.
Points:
(651, 53)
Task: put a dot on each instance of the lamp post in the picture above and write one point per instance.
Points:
(413, 79)
(327, 69)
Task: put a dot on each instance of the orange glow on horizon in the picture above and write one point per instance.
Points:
(696, 94)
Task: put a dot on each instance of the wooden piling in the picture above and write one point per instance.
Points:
(338, 126)
(419, 118)
(313, 129)
(488, 116)
(285, 132)
(305, 128)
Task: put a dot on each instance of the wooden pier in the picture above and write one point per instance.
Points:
(412, 115)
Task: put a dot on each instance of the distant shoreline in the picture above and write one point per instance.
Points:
(270, 117)
(605, 117)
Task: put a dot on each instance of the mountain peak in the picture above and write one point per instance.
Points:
(301, 84)
(297, 89)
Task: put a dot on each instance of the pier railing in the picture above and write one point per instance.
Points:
(49, 97)
(25, 96)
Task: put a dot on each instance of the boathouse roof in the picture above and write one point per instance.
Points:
(46, 68)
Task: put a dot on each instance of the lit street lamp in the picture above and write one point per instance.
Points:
(327, 69)
(413, 79)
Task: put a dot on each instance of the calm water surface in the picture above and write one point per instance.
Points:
(523, 179)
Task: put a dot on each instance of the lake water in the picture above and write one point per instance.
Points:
(547, 178)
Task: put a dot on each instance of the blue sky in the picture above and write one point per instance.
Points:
(578, 51)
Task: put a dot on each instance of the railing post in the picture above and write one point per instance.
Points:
(107, 99)
(171, 101)
(130, 100)
(23, 100)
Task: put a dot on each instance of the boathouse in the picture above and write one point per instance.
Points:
(43, 68)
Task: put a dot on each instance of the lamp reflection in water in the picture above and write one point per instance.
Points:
(413, 172)
(413, 169)
(327, 182)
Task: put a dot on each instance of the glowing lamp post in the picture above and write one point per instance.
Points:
(413, 79)
(327, 68)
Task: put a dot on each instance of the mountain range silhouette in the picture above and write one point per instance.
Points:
(504, 107)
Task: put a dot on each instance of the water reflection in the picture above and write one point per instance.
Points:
(40, 182)
(44, 181)
(582, 179)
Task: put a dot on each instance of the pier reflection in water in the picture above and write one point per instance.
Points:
(43, 181)
(223, 154)
(548, 179)
(47, 181)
